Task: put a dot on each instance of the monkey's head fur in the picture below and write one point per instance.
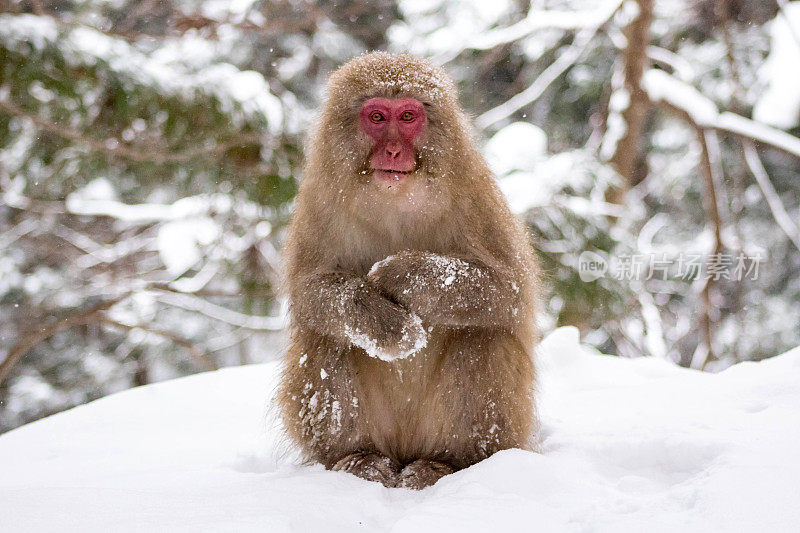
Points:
(357, 210)
(340, 151)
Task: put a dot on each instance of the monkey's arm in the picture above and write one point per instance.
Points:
(448, 290)
(353, 311)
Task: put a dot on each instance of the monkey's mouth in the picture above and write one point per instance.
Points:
(391, 175)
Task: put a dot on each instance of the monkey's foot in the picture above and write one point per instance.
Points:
(370, 466)
(423, 473)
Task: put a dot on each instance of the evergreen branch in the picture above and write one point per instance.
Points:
(127, 152)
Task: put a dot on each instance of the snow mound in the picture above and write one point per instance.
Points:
(627, 445)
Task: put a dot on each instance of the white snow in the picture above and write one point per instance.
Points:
(180, 242)
(378, 264)
(779, 105)
(760, 132)
(86, 201)
(525, 190)
(454, 25)
(414, 338)
(520, 145)
(616, 126)
(577, 170)
(222, 9)
(97, 190)
(627, 445)
(662, 87)
(538, 19)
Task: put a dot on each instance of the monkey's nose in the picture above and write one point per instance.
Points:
(393, 150)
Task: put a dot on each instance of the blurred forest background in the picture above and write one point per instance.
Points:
(150, 151)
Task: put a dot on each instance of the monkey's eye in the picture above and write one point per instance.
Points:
(408, 116)
(376, 116)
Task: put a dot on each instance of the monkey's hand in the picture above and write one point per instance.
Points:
(355, 312)
(455, 291)
(393, 334)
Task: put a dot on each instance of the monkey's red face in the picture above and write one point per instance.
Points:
(393, 125)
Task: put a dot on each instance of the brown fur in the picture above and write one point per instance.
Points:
(457, 258)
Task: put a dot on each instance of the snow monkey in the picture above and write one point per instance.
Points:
(411, 286)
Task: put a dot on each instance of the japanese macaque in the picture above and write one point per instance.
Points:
(411, 286)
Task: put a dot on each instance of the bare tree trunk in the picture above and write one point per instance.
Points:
(734, 193)
(141, 373)
(708, 314)
(629, 103)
